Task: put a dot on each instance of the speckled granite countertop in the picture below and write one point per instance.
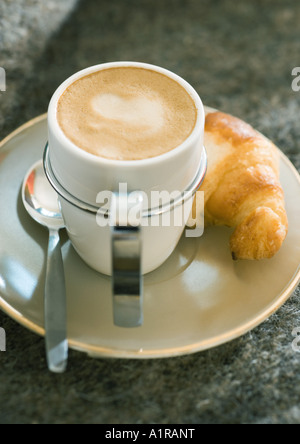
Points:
(239, 56)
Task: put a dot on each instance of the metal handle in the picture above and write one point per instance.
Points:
(55, 307)
(127, 278)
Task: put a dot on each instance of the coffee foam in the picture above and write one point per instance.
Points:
(126, 113)
(135, 111)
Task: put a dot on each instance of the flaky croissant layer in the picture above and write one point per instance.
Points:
(242, 187)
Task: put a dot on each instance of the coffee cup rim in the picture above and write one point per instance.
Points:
(89, 157)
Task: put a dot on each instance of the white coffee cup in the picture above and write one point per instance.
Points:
(79, 177)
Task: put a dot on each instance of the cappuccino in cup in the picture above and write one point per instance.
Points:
(133, 124)
(126, 113)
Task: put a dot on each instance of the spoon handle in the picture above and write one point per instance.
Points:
(55, 307)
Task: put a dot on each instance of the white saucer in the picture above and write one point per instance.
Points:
(197, 300)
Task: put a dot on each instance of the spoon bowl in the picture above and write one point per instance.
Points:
(40, 199)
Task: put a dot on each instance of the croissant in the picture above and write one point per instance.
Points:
(242, 188)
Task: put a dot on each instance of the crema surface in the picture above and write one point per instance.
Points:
(126, 113)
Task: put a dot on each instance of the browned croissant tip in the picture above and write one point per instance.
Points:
(259, 236)
(230, 128)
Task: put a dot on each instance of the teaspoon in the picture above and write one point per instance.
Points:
(40, 201)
